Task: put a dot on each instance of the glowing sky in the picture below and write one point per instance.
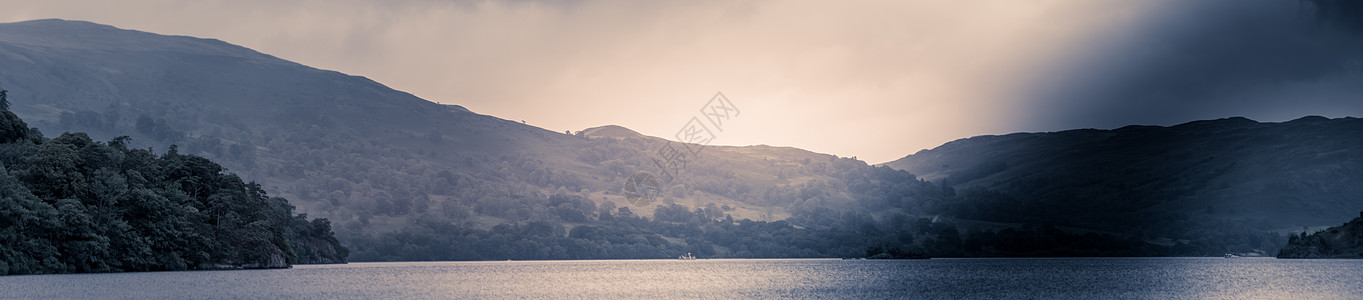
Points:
(872, 79)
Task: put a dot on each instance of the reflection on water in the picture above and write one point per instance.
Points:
(852, 279)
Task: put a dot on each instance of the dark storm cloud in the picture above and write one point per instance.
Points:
(1345, 14)
(1270, 60)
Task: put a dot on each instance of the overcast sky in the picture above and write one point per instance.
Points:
(872, 79)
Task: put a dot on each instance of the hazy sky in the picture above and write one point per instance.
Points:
(872, 79)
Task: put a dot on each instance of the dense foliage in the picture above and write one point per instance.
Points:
(70, 204)
(1343, 241)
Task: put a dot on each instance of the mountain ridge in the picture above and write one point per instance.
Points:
(57, 33)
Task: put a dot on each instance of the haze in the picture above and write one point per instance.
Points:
(872, 79)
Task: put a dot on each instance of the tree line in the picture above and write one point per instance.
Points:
(73, 205)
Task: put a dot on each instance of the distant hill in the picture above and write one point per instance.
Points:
(1158, 181)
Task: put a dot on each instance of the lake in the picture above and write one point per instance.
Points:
(1074, 278)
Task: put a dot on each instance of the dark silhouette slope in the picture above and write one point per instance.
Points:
(1343, 241)
(1229, 172)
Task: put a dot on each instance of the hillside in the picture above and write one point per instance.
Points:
(1156, 181)
(378, 161)
(1343, 241)
(73, 205)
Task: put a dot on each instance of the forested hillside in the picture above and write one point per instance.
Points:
(1204, 179)
(73, 205)
(1343, 241)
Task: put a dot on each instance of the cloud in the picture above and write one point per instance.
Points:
(1263, 59)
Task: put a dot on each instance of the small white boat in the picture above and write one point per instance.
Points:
(686, 257)
(1232, 255)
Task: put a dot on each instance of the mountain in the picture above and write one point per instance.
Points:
(1159, 182)
(403, 178)
(390, 169)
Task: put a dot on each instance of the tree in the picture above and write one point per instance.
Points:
(71, 204)
(11, 127)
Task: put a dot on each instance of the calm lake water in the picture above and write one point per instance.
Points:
(1243, 278)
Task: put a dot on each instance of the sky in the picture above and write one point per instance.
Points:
(877, 80)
